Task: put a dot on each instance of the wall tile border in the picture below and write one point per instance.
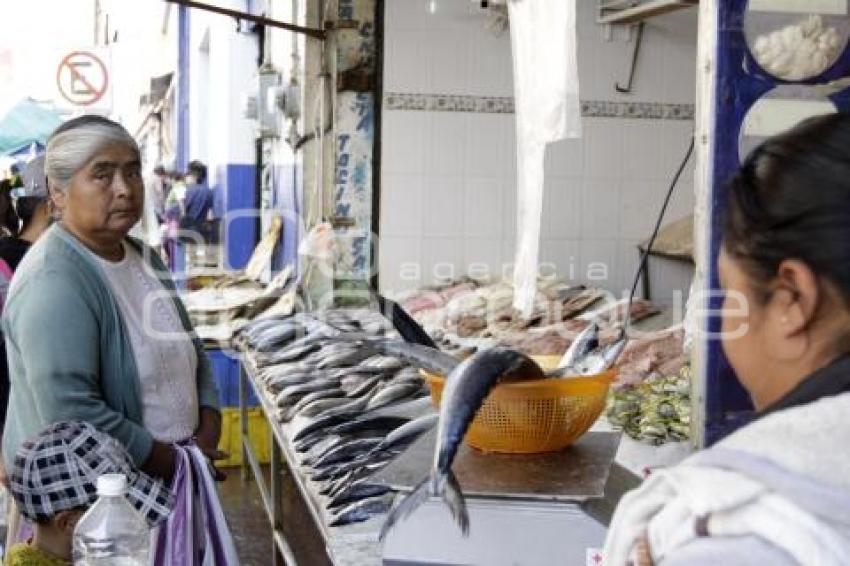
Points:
(505, 105)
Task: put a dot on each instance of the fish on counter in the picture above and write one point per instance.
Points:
(345, 452)
(395, 393)
(362, 510)
(466, 388)
(357, 491)
(408, 432)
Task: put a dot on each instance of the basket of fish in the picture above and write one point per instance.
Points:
(534, 415)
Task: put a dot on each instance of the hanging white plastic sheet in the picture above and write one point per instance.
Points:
(547, 107)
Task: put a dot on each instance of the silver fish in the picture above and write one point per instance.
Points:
(292, 353)
(408, 432)
(586, 342)
(357, 491)
(346, 452)
(392, 394)
(279, 383)
(332, 417)
(466, 388)
(362, 510)
(383, 362)
(320, 448)
(601, 360)
(291, 395)
(320, 406)
(315, 396)
(352, 381)
(364, 387)
(367, 423)
(427, 358)
(344, 359)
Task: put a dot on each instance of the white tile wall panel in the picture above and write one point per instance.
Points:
(402, 202)
(483, 212)
(564, 213)
(566, 157)
(486, 146)
(443, 208)
(406, 136)
(600, 215)
(446, 153)
(398, 258)
(602, 192)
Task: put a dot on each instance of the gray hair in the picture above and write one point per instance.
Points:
(75, 142)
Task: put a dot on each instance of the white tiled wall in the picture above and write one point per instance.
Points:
(449, 178)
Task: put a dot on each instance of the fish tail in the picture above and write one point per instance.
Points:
(444, 486)
(452, 495)
(407, 506)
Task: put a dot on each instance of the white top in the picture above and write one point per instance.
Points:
(164, 352)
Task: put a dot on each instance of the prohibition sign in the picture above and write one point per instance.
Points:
(82, 78)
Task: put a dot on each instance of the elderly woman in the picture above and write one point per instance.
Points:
(94, 329)
(776, 491)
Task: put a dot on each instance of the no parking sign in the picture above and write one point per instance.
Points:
(83, 80)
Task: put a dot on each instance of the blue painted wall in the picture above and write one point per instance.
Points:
(239, 220)
(285, 199)
(184, 27)
(741, 82)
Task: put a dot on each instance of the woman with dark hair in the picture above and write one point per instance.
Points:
(33, 211)
(777, 491)
(8, 218)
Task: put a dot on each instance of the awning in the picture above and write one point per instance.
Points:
(27, 122)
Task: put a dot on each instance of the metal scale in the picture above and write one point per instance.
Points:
(537, 509)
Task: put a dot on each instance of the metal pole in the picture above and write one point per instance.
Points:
(261, 20)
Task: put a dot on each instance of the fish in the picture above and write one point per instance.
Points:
(383, 363)
(408, 432)
(382, 423)
(320, 406)
(361, 510)
(275, 337)
(332, 417)
(320, 448)
(359, 369)
(602, 359)
(352, 381)
(291, 395)
(293, 353)
(392, 394)
(280, 382)
(364, 387)
(308, 442)
(342, 359)
(587, 341)
(315, 396)
(430, 359)
(362, 470)
(357, 491)
(366, 463)
(346, 451)
(465, 390)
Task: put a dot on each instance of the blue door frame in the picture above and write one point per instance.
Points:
(740, 83)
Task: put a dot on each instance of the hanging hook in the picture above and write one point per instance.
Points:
(628, 88)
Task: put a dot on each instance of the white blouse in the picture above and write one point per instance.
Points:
(164, 352)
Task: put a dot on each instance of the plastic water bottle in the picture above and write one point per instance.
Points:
(112, 531)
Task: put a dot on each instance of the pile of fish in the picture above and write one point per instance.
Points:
(324, 376)
(656, 411)
(332, 378)
(473, 309)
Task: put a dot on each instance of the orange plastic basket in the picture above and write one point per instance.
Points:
(541, 415)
